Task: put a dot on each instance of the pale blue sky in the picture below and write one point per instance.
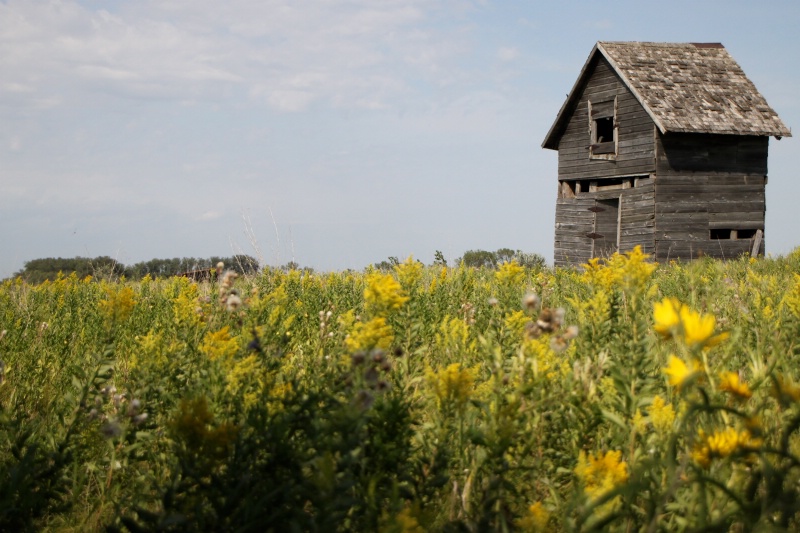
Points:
(332, 133)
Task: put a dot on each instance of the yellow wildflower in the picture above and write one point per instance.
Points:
(536, 519)
(219, 345)
(673, 319)
(409, 272)
(697, 328)
(722, 444)
(515, 322)
(151, 350)
(662, 415)
(679, 372)
(118, 304)
(629, 271)
(375, 333)
(402, 522)
(243, 373)
(667, 316)
(729, 382)
(638, 422)
(602, 473)
(452, 385)
(383, 294)
(194, 426)
(453, 338)
(792, 297)
(510, 273)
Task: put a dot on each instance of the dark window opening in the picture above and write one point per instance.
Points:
(572, 188)
(615, 183)
(605, 129)
(603, 126)
(734, 234)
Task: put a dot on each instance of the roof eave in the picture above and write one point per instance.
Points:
(549, 139)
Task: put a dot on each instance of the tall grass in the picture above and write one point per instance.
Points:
(627, 396)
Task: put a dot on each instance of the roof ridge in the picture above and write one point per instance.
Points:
(683, 87)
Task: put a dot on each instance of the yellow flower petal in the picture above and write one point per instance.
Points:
(678, 371)
(666, 315)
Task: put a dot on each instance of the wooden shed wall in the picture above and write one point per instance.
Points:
(708, 182)
(575, 221)
(637, 220)
(635, 131)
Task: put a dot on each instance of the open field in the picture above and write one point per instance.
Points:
(629, 397)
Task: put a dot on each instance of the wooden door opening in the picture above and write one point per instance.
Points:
(606, 227)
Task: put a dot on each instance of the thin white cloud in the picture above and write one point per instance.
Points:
(284, 54)
(210, 215)
(507, 53)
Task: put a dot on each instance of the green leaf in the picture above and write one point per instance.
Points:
(615, 418)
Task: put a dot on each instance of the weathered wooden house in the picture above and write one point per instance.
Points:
(662, 145)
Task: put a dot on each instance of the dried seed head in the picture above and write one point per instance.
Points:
(571, 333)
(530, 302)
(558, 343)
(358, 358)
(533, 330)
(233, 302)
(558, 317)
(133, 407)
(364, 400)
(371, 375)
(110, 430)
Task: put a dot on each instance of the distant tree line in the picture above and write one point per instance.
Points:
(483, 258)
(478, 259)
(104, 267)
(39, 270)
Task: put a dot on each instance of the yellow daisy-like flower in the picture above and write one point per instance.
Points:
(667, 316)
(699, 328)
(729, 382)
(673, 319)
(722, 444)
(679, 372)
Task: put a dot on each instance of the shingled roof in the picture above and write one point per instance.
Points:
(684, 87)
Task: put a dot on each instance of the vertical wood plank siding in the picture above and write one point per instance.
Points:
(574, 222)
